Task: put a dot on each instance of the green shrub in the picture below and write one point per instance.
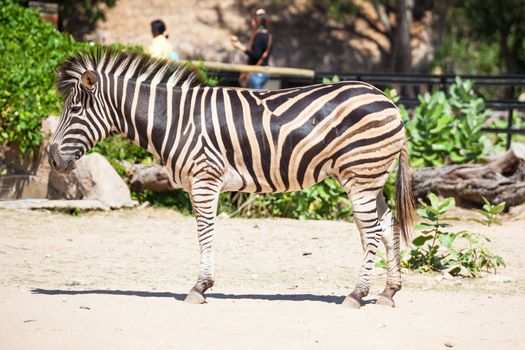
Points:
(30, 50)
(490, 213)
(429, 131)
(334, 79)
(326, 200)
(203, 75)
(438, 249)
(448, 130)
(116, 148)
(469, 117)
(176, 199)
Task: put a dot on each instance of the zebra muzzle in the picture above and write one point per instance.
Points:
(59, 163)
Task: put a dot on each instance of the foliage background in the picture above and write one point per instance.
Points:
(442, 129)
(30, 51)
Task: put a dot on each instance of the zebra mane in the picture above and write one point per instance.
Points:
(110, 61)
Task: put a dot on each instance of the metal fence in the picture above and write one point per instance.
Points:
(493, 88)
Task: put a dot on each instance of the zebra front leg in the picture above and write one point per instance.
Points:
(367, 221)
(391, 240)
(204, 197)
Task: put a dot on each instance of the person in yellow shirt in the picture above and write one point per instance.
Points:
(160, 46)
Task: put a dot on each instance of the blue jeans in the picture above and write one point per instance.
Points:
(257, 80)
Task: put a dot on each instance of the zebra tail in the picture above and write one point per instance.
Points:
(404, 197)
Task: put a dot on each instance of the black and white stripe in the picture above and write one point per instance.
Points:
(215, 139)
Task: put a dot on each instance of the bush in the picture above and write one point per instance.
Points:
(176, 199)
(326, 200)
(438, 249)
(448, 130)
(116, 148)
(202, 74)
(31, 49)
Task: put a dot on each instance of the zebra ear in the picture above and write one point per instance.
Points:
(88, 80)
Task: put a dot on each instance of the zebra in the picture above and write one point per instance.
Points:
(219, 139)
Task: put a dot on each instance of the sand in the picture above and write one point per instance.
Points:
(116, 280)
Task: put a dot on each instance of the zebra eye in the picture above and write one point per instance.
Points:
(75, 109)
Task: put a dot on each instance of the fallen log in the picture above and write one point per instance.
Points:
(501, 179)
(153, 177)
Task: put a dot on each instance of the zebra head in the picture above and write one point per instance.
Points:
(82, 120)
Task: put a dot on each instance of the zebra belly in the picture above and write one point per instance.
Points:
(240, 180)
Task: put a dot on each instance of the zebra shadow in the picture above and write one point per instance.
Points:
(333, 299)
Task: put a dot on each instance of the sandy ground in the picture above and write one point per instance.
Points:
(116, 280)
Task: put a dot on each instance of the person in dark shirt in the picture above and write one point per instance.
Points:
(258, 49)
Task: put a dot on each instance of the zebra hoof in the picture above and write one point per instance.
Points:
(194, 297)
(385, 301)
(351, 302)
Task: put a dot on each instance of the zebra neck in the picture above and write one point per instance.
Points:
(155, 116)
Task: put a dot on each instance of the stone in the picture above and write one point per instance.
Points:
(447, 276)
(31, 177)
(500, 279)
(93, 178)
(18, 186)
(58, 204)
(223, 215)
(154, 177)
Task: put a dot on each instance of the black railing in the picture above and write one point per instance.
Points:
(420, 82)
(409, 85)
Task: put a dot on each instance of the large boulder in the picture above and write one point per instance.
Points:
(32, 177)
(93, 178)
(19, 186)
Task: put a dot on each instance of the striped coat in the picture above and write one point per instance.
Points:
(215, 139)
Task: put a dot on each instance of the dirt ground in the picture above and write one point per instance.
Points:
(116, 280)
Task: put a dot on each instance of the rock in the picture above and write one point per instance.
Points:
(154, 177)
(31, 177)
(93, 178)
(500, 279)
(28, 204)
(447, 276)
(464, 272)
(19, 186)
(72, 283)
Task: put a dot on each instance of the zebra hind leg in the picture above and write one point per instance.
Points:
(204, 197)
(367, 221)
(391, 240)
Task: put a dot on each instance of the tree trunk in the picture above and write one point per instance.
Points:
(502, 179)
(401, 51)
(401, 48)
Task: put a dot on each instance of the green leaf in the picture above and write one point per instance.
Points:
(447, 239)
(434, 200)
(454, 271)
(499, 208)
(420, 240)
(446, 205)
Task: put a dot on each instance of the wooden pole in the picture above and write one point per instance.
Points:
(244, 68)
